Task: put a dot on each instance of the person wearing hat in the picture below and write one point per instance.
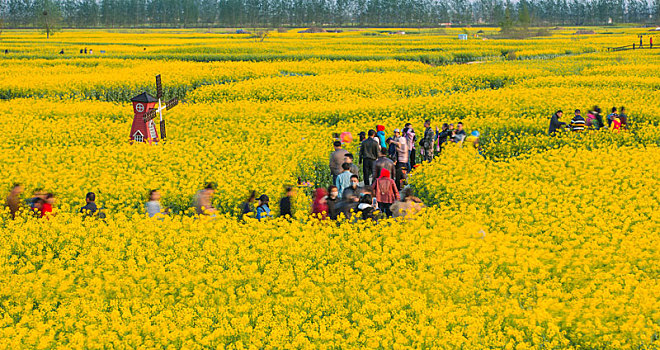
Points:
(263, 210)
(380, 133)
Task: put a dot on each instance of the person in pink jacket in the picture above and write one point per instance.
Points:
(386, 192)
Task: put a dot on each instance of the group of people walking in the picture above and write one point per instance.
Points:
(40, 204)
(381, 189)
(617, 120)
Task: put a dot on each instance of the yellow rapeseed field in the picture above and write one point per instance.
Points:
(533, 242)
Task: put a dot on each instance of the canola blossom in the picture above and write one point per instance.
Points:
(537, 242)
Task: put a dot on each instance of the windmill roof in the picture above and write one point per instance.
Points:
(144, 97)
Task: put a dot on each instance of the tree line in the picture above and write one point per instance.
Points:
(336, 13)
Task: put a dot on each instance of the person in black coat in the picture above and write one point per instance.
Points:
(555, 124)
(285, 203)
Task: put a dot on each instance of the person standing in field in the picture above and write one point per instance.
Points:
(402, 154)
(285, 203)
(578, 123)
(263, 210)
(354, 168)
(369, 151)
(380, 133)
(386, 192)
(555, 124)
(443, 136)
(332, 202)
(336, 160)
(362, 135)
(409, 135)
(383, 163)
(427, 142)
(351, 197)
(344, 179)
(13, 200)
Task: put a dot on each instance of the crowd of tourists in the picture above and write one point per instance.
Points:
(617, 120)
(381, 189)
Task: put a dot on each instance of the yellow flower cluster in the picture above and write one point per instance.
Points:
(540, 242)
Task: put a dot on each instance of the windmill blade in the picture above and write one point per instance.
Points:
(171, 103)
(151, 114)
(162, 130)
(159, 88)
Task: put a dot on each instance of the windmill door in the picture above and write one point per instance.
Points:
(152, 130)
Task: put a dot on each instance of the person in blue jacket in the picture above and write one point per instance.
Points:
(263, 210)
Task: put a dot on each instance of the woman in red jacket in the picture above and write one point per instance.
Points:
(386, 192)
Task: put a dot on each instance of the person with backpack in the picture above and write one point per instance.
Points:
(263, 210)
(386, 192)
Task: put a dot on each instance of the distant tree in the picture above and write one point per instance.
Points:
(524, 17)
(49, 16)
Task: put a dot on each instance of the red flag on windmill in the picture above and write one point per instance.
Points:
(146, 108)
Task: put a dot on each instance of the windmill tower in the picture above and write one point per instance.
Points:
(146, 108)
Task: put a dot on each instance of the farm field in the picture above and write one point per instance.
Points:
(542, 243)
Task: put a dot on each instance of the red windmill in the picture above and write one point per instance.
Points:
(146, 107)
